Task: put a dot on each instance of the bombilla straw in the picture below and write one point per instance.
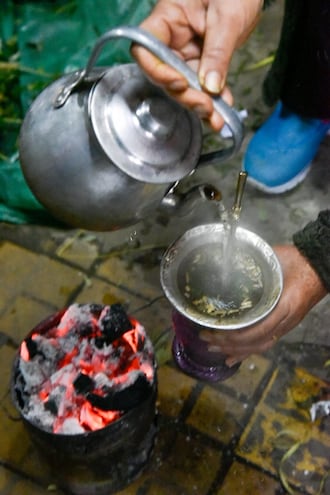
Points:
(240, 186)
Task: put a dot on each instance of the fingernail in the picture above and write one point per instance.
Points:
(213, 82)
(201, 112)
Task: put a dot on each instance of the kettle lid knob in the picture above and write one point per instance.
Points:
(154, 116)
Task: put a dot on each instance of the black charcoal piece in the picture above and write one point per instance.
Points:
(86, 329)
(100, 342)
(114, 322)
(95, 309)
(83, 384)
(122, 399)
(32, 347)
(51, 406)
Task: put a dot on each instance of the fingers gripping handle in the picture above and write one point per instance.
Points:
(167, 56)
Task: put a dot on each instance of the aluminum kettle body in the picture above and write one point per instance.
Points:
(85, 172)
(69, 172)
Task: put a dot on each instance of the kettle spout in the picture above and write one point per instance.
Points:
(183, 203)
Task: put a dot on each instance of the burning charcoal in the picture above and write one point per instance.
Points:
(103, 342)
(114, 322)
(31, 347)
(83, 384)
(125, 398)
(75, 317)
(100, 342)
(51, 406)
(22, 396)
(96, 363)
(101, 380)
(95, 309)
(86, 329)
(38, 415)
(49, 349)
(56, 400)
(33, 373)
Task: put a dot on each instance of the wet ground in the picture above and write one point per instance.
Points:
(252, 434)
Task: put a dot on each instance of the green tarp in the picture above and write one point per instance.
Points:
(39, 42)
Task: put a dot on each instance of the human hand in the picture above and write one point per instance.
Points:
(302, 289)
(205, 34)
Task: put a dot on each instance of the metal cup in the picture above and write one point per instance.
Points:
(219, 287)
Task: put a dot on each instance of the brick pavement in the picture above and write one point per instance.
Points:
(213, 439)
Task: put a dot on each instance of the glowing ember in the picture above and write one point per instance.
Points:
(85, 372)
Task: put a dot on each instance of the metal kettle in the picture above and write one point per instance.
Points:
(102, 147)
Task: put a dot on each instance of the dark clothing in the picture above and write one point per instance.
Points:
(313, 242)
(300, 74)
(300, 77)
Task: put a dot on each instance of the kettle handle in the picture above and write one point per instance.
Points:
(165, 54)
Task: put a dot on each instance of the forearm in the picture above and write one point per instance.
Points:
(313, 241)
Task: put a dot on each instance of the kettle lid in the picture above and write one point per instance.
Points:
(143, 131)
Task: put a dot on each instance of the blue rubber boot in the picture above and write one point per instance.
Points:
(280, 153)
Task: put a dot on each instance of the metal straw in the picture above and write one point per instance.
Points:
(240, 186)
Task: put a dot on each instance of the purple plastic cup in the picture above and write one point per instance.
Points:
(191, 353)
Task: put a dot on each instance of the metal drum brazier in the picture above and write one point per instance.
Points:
(84, 382)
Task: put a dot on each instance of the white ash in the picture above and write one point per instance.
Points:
(102, 380)
(63, 376)
(35, 372)
(49, 348)
(71, 426)
(37, 414)
(76, 316)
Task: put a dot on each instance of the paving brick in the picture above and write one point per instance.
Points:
(4, 297)
(294, 389)
(189, 469)
(273, 437)
(7, 355)
(5, 480)
(97, 291)
(156, 318)
(166, 489)
(25, 487)
(216, 414)
(36, 275)
(173, 389)
(135, 277)
(280, 436)
(35, 467)
(54, 282)
(80, 248)
(163, 348)
(23, 314)
(14, 438)
(16, 266)
(242, 479)
(247, 379)
(129, 490)
(164, 441)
